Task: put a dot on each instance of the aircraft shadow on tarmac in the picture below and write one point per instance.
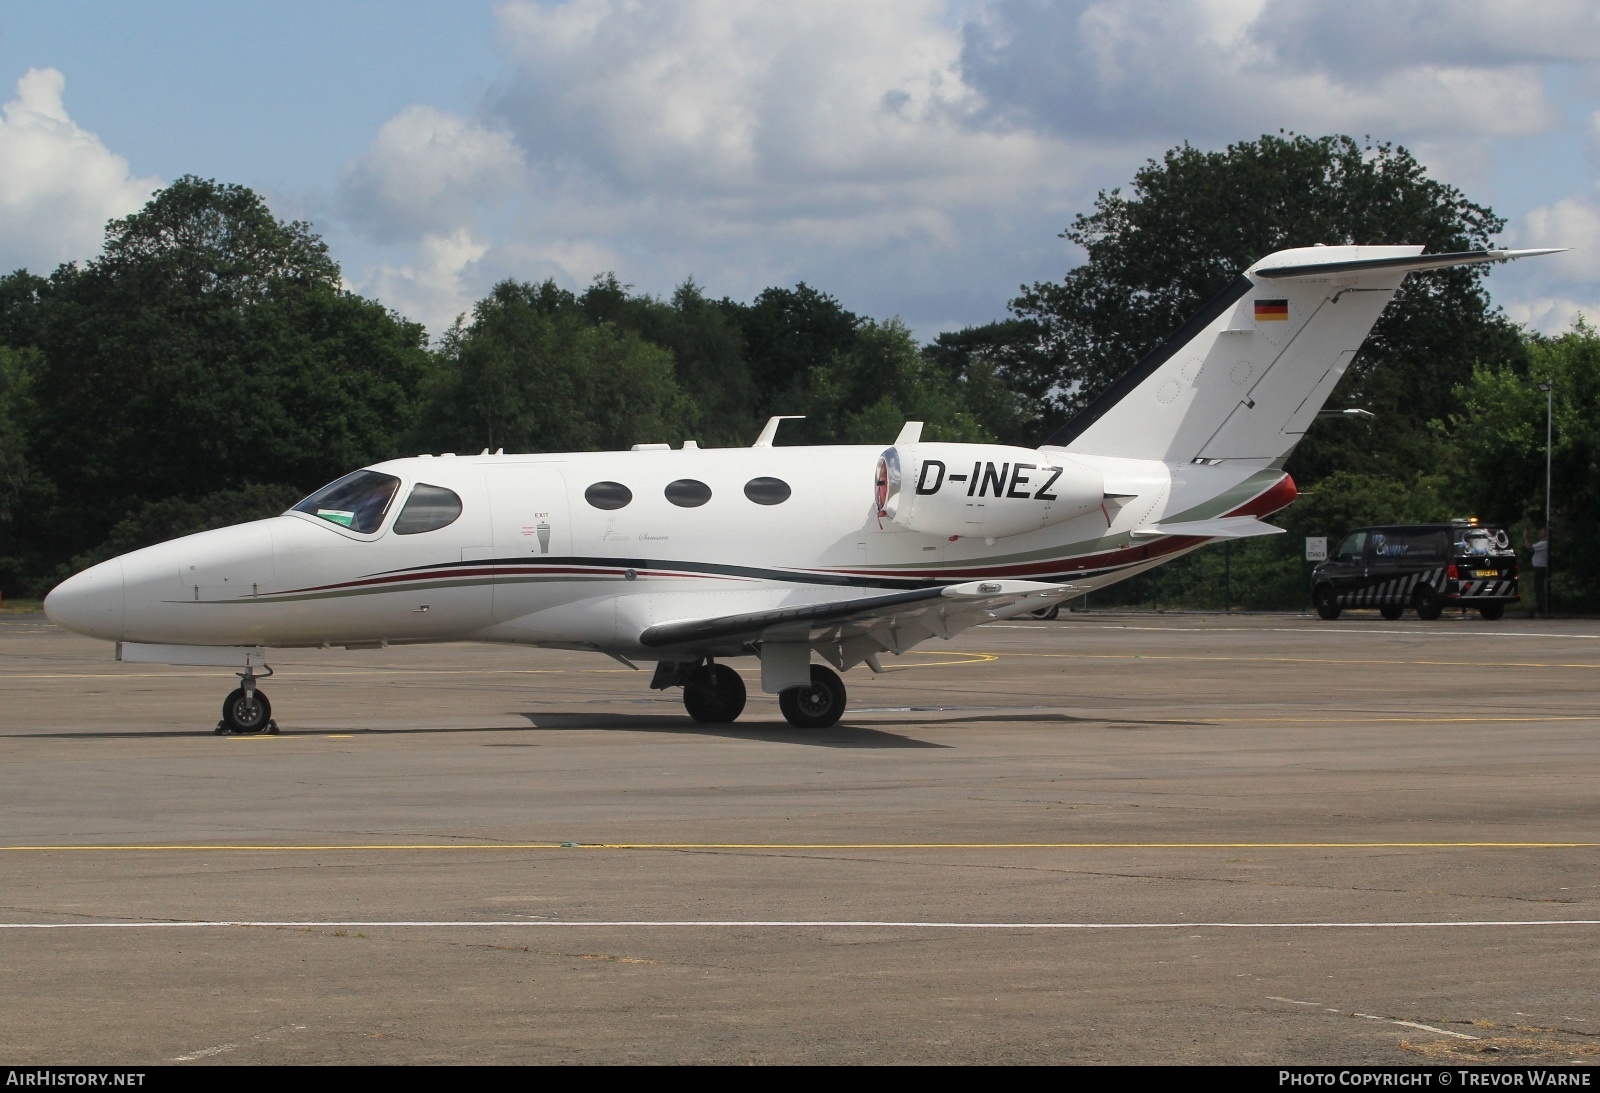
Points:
(842, 735)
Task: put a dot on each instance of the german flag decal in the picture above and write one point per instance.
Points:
(1272, 311)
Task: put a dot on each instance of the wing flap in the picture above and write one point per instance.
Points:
(850, 631)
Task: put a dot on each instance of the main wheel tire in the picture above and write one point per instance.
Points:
(817, 706)
(246, 714)
(1429, 604)
(1048, 614)
(1391, 611)
(1326, 603)
(1492, 611)
(714, 694)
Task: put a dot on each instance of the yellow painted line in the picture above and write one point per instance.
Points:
(1389, 720)
(329, 847)
(1476, 665)
(966, 658)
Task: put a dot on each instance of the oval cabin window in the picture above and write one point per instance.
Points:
(767, 491)
(429, 508)
(608, 495)
(687, 493)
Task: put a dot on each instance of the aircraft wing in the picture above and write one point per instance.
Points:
(848, 632)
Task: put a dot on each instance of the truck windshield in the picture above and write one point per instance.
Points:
(357, 501)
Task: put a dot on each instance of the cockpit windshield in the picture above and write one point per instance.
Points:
(357, 501)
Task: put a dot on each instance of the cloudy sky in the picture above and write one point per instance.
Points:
(912, 157)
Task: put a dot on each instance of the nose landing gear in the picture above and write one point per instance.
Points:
(246, 711)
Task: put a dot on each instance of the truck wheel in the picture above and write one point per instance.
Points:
(1429, 604)
(1326, 603)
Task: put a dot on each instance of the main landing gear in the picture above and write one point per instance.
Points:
(816, 706)
(246, 711)
(714, 694)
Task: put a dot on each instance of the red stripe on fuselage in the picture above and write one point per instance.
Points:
(1281, 494)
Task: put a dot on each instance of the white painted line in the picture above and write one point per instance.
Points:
(204, 1053)
(848, 924)
(1424, 1028)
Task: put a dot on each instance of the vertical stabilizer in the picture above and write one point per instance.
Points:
(1245, 377)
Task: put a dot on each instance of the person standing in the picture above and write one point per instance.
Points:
(1541, 574)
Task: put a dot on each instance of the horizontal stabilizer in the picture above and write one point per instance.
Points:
(1410, 264)
(1226, 527)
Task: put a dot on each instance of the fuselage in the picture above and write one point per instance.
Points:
(591, 549)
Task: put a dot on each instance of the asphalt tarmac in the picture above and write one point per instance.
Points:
(1114, 838)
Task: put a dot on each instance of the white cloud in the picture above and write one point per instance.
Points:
(427, 172)
(436, 286)
(1226, 69)
(1548, 293)
(58, 183)
(913, 156)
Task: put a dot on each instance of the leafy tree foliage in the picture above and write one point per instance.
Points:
(533, 372)
(707, 350)
(208, 348)
(1192, 222)
(1499, 440)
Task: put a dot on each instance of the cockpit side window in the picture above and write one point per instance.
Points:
(1350, 549)
(429, 508)
(357, 501)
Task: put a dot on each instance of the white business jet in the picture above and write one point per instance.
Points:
(691, 557)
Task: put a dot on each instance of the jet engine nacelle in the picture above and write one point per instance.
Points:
(983, 489)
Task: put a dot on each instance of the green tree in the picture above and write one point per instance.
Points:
(1499, 438)
(864, 394)
(787, 334)
(533, 372)
(707, 352)
(1004, 375)
(208, 348)
(1195, 220)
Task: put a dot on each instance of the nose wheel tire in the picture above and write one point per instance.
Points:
(246, 714)
(817, 706)
(1492, 611)
(1326, 603)
(1048, 614)
(1391, 611)
(714, 694)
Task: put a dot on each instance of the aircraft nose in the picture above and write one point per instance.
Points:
(90, 602)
